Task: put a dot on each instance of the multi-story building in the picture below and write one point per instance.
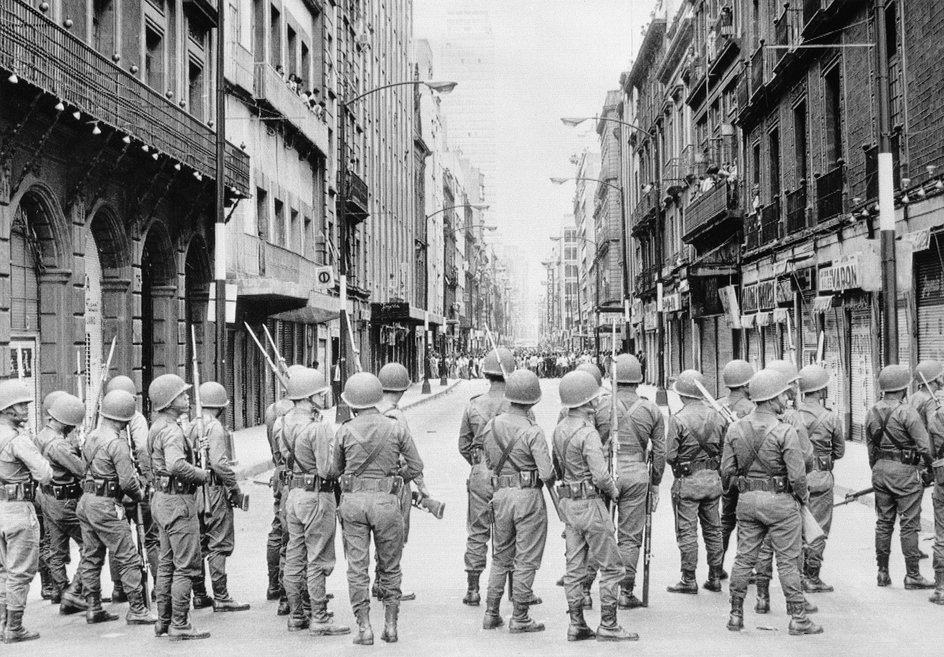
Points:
(587, 172)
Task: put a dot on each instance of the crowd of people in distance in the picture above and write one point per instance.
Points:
(547, 363)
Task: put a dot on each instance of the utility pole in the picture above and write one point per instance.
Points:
(219, 254)
(342, 412)
(662, 398)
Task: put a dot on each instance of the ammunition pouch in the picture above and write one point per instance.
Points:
(71, 491)
(102, 487)
(170, 485)
(688, 468)
(477, 456)
(583, 490)
(524, 479)
(906, 456)
(823, 462)
(778, 484)
(239, 501)
(311, 483)
(22, 492)
(352, 484)
(937, 467)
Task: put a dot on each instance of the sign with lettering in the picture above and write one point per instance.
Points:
(843, 274)
(767, 294)
(729, 302)
(749, 298)
(672, 303)
(324, 277)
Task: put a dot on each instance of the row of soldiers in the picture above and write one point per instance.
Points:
(755, 460)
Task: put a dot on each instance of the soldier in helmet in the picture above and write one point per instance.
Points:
(49, 589)
(20, 465)
(693, 449)
(304, 439)
(928, 377)
(936, 431)
(217, 530)
(58, 498)
(825, 431)
(174, 507)
(481, 409)
(763, 458)
(109, 477)
(580, 465)
(517, 456)
(367, 450)
(900, 458)
(736, 375)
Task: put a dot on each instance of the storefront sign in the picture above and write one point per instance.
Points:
(920, 239)
(637, 311)
(672, 303)
(844, 274)
(767, 293)
(650, 317)
(747, 321)
(729, 302)
(749, 298)
(780, 315)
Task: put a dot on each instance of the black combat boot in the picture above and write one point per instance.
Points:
(322, 623)
(162, 626)
(94, 612)
(813, 584)
(808, 606)
(578, 630)
(222, 601)
(736, 617)
(686, 585)
(391, 614)
(938, 596)
(472, 597)
(365, 634)
(521, 622)
(138, 613)
(627, 599)
(13, 631)
(799, 623)
(48, 587)
(609, 629)
(201, 600)
(182, 630)
(913, 578)
(763, 596)
(585, 587)
(284, 607)
(493, 617)
(883, 579)
(298, 620)
(72, 602)
(713, 583)
(272, 590)
(118, 595)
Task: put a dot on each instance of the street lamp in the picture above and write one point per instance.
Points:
(343, 412)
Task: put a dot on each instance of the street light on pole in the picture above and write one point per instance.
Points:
(343, 412)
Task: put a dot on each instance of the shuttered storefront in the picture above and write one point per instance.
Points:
(686, 361)
(862, 377)
(771, 343)
(674, 348)
(754, 351)
(904, 333)
(808, 340)
(725, 348)
(929, 290)
(709, 363)
(834, 350)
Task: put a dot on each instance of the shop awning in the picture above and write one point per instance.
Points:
(320, 309)
(822, 303)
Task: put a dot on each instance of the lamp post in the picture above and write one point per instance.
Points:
(343, 412)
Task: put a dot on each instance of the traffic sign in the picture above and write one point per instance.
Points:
(324, 277)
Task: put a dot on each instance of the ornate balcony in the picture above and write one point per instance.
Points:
(829, 193)
(796, 209)
(711, 209)
(645, 210)
(358, 198)
(269, 89)
(770, 223)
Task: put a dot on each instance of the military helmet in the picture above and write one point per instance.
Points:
(394, 377)
(295, 369)
(305, 382)
(578, 388)
(50, 399)
(120, 406)
(362, 390)
(68, 409)
(813, 378)
(165, 389)
(498, 360)
(523, 387)
(893, 378)
(122, 382)
(931, 369)
(628, 369)
(593, 370)
(766, 385)
(785, 367)
(737, 373)
(13, 392)
(685, 385)
(213, 395)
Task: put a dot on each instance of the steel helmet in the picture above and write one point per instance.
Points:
(685, 385)
(165, 389)
(394, 377)
(67, 409)
(785, 367)
(213, 395)
(305, 382)
(50, 399)
(120, 406)
(295, 369)
(592, 370)
(498, 360)
(13, 392)
(523, 387)
(931, 369)
(766, 385)
(628, 369)
(578, 388)
(122, 382)
(362, 390)
(893, 378)
(813, 378)
(737, 373)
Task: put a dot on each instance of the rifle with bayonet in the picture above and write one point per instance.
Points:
(614, 423)
(198, 420)
(283, 378)
(141, 547)
(91, 418)
(720, 408)
(283, 367)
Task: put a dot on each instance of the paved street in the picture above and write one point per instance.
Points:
(858, 619)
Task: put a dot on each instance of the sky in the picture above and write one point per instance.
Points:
(555, 58)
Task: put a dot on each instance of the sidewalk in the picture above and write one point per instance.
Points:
(252, 449)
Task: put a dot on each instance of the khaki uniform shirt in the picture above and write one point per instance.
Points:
(19, 459)
(305, 442)
(107, 456)
(583, 460)
(904, 426)
(64, 458)
(218, 461)
(695, 421)
(357, 437)
(529, 451)
(171, 452)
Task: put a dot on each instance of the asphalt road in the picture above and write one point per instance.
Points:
(859, 618)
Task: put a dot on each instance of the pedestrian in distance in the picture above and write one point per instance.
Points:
(736, 375)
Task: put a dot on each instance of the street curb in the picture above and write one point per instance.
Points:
(251, 470)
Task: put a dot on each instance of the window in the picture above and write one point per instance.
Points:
(154, 58)
(258, 29)
(275, 38)
(103, 27)
(893, 64)
(295, 237)
(196, 90)
(755, 170)
(305, 71)
(832, 97)
(308, 240)
(262, 213)
(774, 155)
(292, 54)
(800, 141)
(278, 219)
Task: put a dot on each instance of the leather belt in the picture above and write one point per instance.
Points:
(352, 484)
(765, 484)
(311, 483)
(524, 479)
(71, 491)
(22, 492)
(905, 456)
(688, 468)
(170, 485)
(102, 487)
(583, 490)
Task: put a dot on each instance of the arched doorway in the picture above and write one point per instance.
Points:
(196, 306)
(158, 306)
(24, 319)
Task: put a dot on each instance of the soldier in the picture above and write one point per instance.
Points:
(217, 530)
(580, 465)
(736, 375)
(516, 454)
(693, 449)
(174, 507)
(936, 430)
(304, 440)
(58, 498)
(109, 477)
(20, 465)
(900, 458)
(48, 588)
(481, 409)
(928, 377)
(396, 381)
(763, 458)
(367, 452)
(641, 435)
(825, 431)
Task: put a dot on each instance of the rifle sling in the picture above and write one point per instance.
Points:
(372, 453)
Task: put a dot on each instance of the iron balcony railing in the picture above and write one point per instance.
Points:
(770, 222)
(796, 209)
(752, 231)
(645, 207)
(829, 193)
(757, 70)
(710, 206)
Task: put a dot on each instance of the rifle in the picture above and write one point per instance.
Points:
(722, 410)
(79, 392)
(647, 534)
(91, 419)
(428, 504)
(614, 422)
(201, 427)
(139, 525)
(927, 386)
(282, 366)
(283, 379)
(852, 497)
(791, 348)
(354, 349)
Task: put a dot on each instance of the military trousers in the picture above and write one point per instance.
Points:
(518, 542)
(695, 501)
(590, 539)
(633, 485)
(19, 552)
(898, 493)
(152, 537)
(821, 506)
(729, 521)
(61, 524)
(364, 514)
(274, 539)
(180, 559)
(777, 515)
(105, 528)
(479, 488)
(218, 537)
(938, 499)
(310, 557)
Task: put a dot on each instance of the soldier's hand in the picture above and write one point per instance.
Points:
(927, 477)
(205, 443)
(653, 498)
(202, 475)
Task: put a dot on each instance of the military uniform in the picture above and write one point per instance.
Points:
(277, 539)
(924, 403)
(936, 430)
(740, 404)
(138, 431)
